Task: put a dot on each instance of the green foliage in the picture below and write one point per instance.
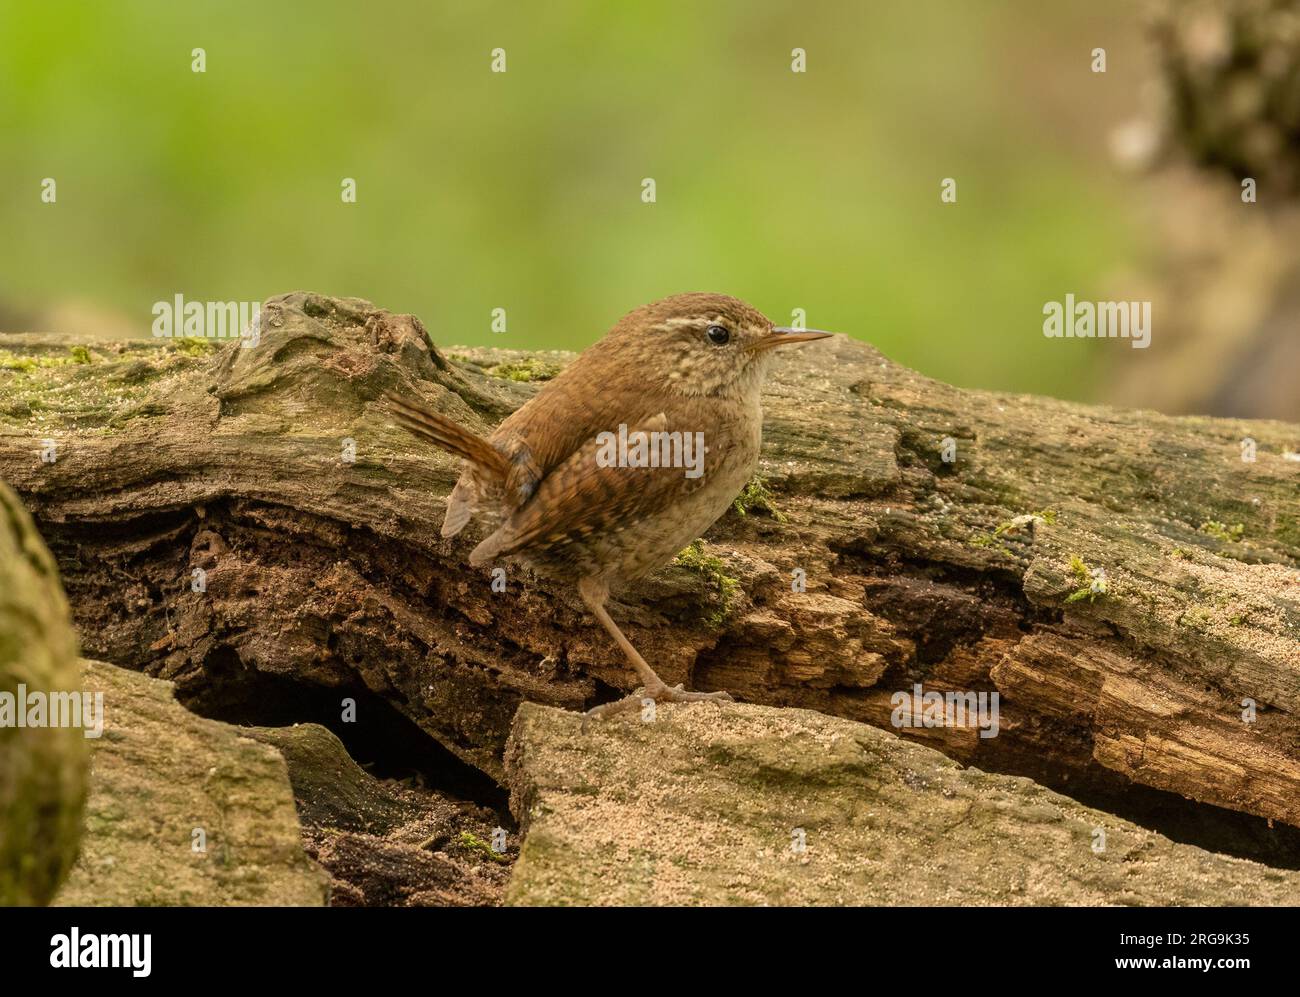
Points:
(472, 842)
(1087, 584)
(1228, 534)
(522, 190)
(757, 497)
(714, 571)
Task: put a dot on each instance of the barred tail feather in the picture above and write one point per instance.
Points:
(442, 432)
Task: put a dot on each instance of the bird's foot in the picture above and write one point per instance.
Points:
(663, 693)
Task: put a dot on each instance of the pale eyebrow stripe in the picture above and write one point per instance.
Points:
(675, 323)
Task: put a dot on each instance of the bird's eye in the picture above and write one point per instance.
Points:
(718, 335)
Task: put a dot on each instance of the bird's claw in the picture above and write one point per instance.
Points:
(663, 694)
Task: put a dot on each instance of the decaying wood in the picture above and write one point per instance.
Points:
(969, 574)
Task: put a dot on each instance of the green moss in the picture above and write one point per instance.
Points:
(1088, 587)
(990, 542)
(471, 841)
(1228, 534)
(23, 364)
(194, 347)
(9, 361)
(1182, 553)
(757, 497)
(714, 571)
(530, 369)
(84, 389)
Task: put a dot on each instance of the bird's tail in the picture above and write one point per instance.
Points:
(444, 433)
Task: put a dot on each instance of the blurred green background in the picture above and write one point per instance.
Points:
(522, 190)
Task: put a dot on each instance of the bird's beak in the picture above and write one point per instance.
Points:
(783, 336)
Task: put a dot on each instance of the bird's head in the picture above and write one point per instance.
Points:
(701, 344)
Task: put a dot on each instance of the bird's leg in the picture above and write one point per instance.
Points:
(594, 594)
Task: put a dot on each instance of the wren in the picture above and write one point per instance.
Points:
(599, 479)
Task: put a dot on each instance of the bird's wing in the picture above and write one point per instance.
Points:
(591, 395)
(586, 494)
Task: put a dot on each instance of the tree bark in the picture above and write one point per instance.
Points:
(234, 469)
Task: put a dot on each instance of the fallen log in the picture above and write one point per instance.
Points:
(249, 522)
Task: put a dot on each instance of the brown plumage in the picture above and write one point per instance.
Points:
(681, 370)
